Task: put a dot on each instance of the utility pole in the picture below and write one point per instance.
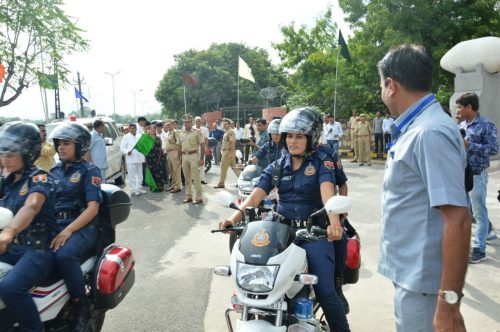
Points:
(79, 81)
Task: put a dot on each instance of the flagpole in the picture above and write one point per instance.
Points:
(335, 94)
(185, 106)
(238, 96)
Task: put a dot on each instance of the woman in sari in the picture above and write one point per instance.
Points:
(153, 159)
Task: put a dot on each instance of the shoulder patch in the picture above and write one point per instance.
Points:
(39, 178)
(96, 181)
(329, 164)
(24, 189)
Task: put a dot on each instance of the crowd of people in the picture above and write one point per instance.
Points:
(428, 199)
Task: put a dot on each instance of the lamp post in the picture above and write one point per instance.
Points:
(135, 100)
(113, 83)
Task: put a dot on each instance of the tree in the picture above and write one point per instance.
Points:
(310, 53)
(29, 32)
(437, 25)
(217, 72)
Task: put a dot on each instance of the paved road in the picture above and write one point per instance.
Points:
(175, 253)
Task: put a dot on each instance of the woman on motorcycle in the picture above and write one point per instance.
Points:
(27, 192)
(270, 151)
(78, 196)
(305, 181)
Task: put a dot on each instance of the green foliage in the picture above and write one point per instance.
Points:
(30, 30)
(217, 71)
(310, 53)
(437, 25)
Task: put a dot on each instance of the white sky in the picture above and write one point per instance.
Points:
(139, 38)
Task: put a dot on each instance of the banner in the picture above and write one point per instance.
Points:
(2, 72)
(47, 81)
(244, 71)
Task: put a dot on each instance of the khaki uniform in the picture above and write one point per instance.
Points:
(46, 160)
(353, 120)
(228, 156)
(363, 135)
(190, 146)
(174, 162)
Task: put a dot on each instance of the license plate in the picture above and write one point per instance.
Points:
(280, 305)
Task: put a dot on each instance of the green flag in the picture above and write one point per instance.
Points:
(343, 47)
(145, 144)
(47, 81)
(150, 181)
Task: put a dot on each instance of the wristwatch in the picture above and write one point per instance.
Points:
(450, 296)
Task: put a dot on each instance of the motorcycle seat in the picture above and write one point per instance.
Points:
(55, 277)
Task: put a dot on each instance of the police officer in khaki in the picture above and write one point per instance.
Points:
(174, 157)
(352, 126)
(228, 153)
(193, 154)
(364, 138)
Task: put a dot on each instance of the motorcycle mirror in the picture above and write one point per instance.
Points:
(226, 199)
(6, 217)
(239, 155)
(338, 205)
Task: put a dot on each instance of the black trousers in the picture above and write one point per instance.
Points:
(379, 143)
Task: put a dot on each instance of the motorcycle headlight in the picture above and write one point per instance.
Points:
(255, 278)
(246, 186)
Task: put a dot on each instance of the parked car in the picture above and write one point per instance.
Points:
(117, 168)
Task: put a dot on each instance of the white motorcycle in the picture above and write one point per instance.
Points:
(246, 183)
(109, 272)
(273, 288)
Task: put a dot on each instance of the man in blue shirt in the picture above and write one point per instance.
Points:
(217, 134)
(481, 142)
(98, 149)
(425, 220)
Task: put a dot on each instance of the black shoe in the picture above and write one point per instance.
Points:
(81, 315)
(204, 182)
(343, 300)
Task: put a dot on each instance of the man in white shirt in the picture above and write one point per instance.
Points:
(238, 132)
(141, 122)
(134, 160)
(332, 132)
(204, 132)
(386, 128)
(249, 133)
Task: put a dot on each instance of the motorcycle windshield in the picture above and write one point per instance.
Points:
(262, 240)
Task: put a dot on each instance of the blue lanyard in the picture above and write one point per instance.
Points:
(397, 128)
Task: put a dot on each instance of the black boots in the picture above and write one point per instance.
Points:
(81, 314)
(340, 294)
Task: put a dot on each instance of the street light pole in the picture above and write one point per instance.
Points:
(113, 83)
(135, 100)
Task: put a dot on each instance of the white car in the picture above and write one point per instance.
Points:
(117, 168)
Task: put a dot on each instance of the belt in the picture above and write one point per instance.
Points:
(294, 223)
(170, 150)
(190, 152)
(65, 215)
(362, 135)
(478, 172)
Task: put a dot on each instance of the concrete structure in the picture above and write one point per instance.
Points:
(476, 65)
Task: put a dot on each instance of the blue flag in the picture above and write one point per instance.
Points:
(79, 95)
